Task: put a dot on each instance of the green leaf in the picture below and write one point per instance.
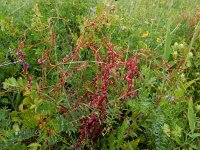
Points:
(33, 94)
(121, 131)
(4, 101)
(179, 92)
(133, 145)
(16, 128)
(194, 135)
(26, 101)
(111, 141)
(188, 84)
(191, 115)
(10, 83)
(13, 83)
(15, 116)
(33, 106)
(195, 35)
(34, 146)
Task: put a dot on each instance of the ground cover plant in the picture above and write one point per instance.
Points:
(99, 74)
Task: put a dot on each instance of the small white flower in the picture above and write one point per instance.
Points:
(175, 54)
(170, 98)
(183, 76)
(176, 44)
(190, 54)
(188, 64)
(181, 46)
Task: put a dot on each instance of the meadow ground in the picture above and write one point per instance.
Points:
(100, 74)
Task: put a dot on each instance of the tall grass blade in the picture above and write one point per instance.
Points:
(191, 115)
(167, 49)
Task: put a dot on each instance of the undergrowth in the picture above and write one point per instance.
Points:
(101, 79)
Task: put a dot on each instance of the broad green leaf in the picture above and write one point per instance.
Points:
(4, 100)
(21, 82)
(27, 93)
(133, 145)
(191, 115)
(33, 106)
(194, 135)
(15, 116)
(111, 141)
(10, 83)
(179, 92)
(27, 119)
(121, 131)
(33, 94)
(33, 146)
(38, 101)
(195, 35)
(188, 84)
(26, 101)
(130, 147)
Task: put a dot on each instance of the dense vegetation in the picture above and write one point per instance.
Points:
(100, 74)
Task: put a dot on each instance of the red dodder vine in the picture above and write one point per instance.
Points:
(91, 128)
(115, 75)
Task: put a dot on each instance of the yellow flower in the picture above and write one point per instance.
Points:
(42, 125)
(190, 54)
(146, 34)
(158, 39)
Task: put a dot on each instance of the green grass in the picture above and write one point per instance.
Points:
(163, 35)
